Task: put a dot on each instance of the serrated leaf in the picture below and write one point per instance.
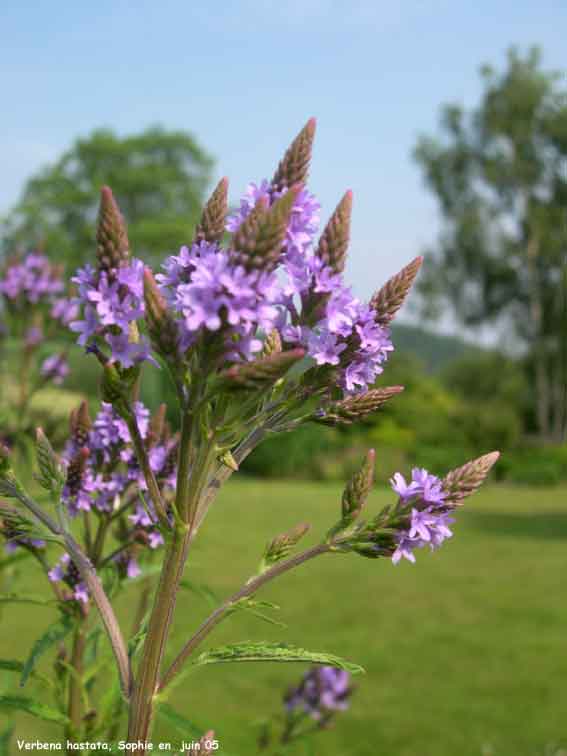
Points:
(274, 652)
(54, 633)
(181, 723)
(36, 709)
(14, 598)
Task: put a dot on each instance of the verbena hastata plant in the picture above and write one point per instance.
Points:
(35, 310)
(260, 335)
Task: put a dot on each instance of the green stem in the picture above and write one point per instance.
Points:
(149, 477)
(75, 684)
(141, 706)
(251, 587)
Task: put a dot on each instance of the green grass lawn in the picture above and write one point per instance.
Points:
(465, 652)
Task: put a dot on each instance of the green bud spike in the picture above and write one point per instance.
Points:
(259, 239)
(294, 167)
(51, 475)
(333, 244)
(161, 325)
(388, 300)
(212, 224)
(357, 489)
(282, 545)
(261, 373)
(112, 245)
(465, 480)
(355, 408)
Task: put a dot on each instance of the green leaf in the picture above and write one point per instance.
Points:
(13, 665)
(36, 709)
(273, 652)
(54, 633)
(5, 738)
(14, 598)
(181, 723)
(201, 590)
(254, 607)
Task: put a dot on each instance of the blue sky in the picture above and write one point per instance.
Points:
(244, 77)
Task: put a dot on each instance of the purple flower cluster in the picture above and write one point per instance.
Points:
(347, 335)
(111, 473)
(211, 293)
(112, 302)
(429, 518)
(66, 571)
(32, 280)
(322, 691)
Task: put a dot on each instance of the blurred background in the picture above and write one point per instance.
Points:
(449, 123)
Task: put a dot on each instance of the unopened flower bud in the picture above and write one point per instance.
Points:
(357, 489)
(465, 480)
(112, 245)
(357, 407)
(294, 166)
(272, 344)
(160, 323)
(280, 546)
(261, 373)
(333, 244)
(212, 224)
(388, 300)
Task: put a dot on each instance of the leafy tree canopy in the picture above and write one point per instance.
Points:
(158, 177)
(499, 172)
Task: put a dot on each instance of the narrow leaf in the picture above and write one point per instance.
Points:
(14, 598)
(54, 633)
(273, 652)
(254, 607)
(36, 709)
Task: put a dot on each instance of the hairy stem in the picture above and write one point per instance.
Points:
(249, 589)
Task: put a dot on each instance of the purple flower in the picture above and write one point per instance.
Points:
(112, 301)
(55, 368)
(33, 337)
(322, 691)
(32, 280)
(211, 293)
(428, 487)
(429, 519)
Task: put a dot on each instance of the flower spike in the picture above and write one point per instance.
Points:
(112, 245)
(295, 164)
(333, 244)
(388, 300)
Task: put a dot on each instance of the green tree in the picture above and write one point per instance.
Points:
(158, 177)
(499, 172)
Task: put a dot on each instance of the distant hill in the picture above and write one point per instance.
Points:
(435, 350)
